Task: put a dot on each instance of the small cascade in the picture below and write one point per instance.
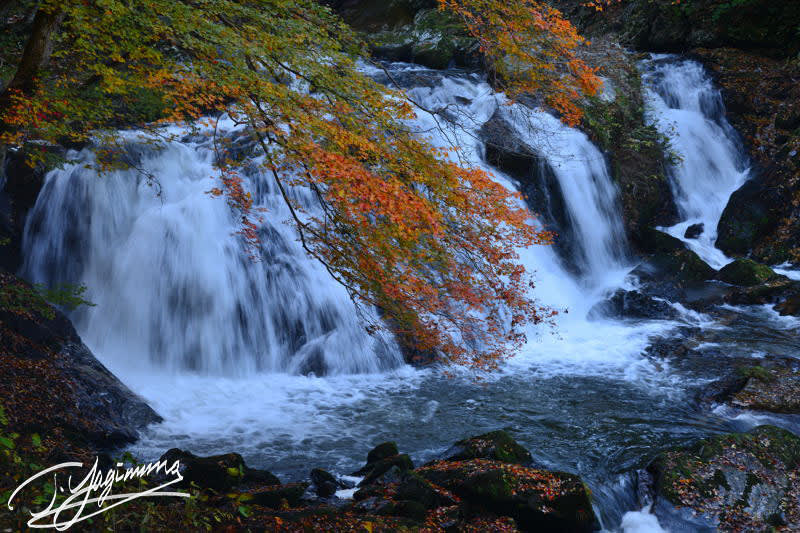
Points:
(686, 107)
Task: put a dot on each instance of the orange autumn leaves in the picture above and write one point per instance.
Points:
(532, 50)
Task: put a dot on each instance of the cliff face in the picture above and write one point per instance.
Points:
(763, 99)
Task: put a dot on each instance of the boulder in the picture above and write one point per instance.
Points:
(325, 484)
(745, 272)
(217, 472)
(790, 306)
(495, 445)
(778, 290)
(384, 465)
(386, 470)
(538, 500)
(731, 482)
(382, 451)
(694, 231)
(634, 304)
(683, 266)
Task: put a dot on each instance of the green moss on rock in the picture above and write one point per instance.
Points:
(752, 472)
(497, 445)
(746, 272)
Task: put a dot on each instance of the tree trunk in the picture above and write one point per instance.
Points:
(37, 50)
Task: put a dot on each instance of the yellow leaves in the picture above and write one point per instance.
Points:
(532, 49)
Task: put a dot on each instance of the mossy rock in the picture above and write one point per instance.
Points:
(385, 470)
(683, 265)
(538, 500)
(775, 389)
(745, 272)
(740, 481)
(656, 241)
(382, 451)
(433, 38)
(495, 445)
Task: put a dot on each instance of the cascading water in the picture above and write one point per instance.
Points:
(170, 279)
(230, 351)
(686, 107)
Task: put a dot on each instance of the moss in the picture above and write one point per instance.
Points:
(757, 372)
(746, 272)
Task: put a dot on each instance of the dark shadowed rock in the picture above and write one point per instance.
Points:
(52, 384)
(538, 500)
(507, 152)
(325, 484)
(382, 451)
(683, 266)
(495, 445)
(386, 470)
(694, 231)
(634, 304)
(280, 496)
(731, 482)
(217, 472)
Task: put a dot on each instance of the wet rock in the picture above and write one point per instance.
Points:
(694, 231)
(382, 451)
(745, 272)
(387, 470)
(777, 290)
(771, 387)
(790, 306)
(731, 482)
(325, 484)
(634, 149)
(683, 266)
(634, 304)
(495, 445)
(217, 472)
(538, 500)
(416, 488)
(280, 496)
(384, 465)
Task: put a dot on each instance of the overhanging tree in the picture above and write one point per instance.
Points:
(401, 226)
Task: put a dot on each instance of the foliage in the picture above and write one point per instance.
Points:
(402, 227)
(532, 49)
(24, 300)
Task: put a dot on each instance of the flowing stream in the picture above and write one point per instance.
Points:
(268, 358)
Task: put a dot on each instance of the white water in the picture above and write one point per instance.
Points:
(217, 343)
(172, 285)
(686, 107)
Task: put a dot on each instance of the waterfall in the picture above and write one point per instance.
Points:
(231, 351)
(685, 106)
(173, 287)
(170, 280)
